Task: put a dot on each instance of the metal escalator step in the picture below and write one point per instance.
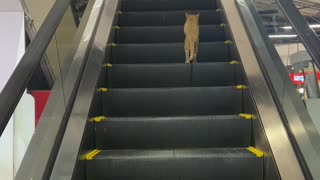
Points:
(173, 132)
(172, 75)
(166, 18)
(172, 101)
(167, 53)
(163, 34)
(166, 5)
(204, 164)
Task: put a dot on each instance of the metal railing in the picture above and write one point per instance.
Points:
(301, 129)
(39, 158)
(16, 85)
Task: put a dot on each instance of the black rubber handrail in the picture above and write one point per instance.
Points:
(16, 85)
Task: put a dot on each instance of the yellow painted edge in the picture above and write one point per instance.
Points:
(228, 42)
(234, 62)
(108, 65)
(102, 89)
(256, 152)
(91, 154)
(97, 119)
(222, 25)
(240, 87)
(112, 45)
(246, 116)
(116, 27)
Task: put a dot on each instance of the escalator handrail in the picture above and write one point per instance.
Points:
(18, 81)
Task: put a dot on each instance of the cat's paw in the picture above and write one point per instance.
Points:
(187, 62)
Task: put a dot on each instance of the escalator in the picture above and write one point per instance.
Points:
(159, 118)
(127, 106)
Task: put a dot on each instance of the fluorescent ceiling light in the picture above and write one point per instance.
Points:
(283, 36)
(312, 26)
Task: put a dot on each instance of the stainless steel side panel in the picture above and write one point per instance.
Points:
(275, 131)
(70, 149)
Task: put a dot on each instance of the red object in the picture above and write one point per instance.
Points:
(41, 98)
(298, 79)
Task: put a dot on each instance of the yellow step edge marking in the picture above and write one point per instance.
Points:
(92, 154)
(218, 10)
(256, 152)
(116, 27)
(102, 89)
(112, 45)
(246, 116)
(97, 119)
(240, 87)
(228, 42)
(222, 25)
(234, 62)
(108, 65)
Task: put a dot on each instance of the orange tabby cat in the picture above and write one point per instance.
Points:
(191, 31)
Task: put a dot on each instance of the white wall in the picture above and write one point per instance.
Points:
(285, 50)
(16, 136)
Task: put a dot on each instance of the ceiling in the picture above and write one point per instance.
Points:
(274, 20)
(309, 8)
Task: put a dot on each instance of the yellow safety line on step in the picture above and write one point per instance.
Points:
(255, 151)
(108, 65)
(228, 42)
(102, 89)
(240, 87)
(116, 27)
(234, 62)
(112, 45)
(246, 116)
(97, 119)
(222, 25)
(92, 154)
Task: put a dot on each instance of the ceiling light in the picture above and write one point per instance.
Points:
(283, 36)
(312, 26)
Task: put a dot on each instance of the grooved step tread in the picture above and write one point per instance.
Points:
(166, 18)
(173, 75)
(167, 53)
(224, 163)
(173, 132)
(162, 34)
(172, 101)
(166, 5)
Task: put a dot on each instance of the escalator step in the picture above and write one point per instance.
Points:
(162, 34)
(173, 132)
(172, 101)
(166, 5)
(167, 53)
(166, 18)
(204, 164)
(172, 75)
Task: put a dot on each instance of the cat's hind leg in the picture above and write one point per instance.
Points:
(192, 51)
(187, 50)
(187, 56)
(196, 45)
